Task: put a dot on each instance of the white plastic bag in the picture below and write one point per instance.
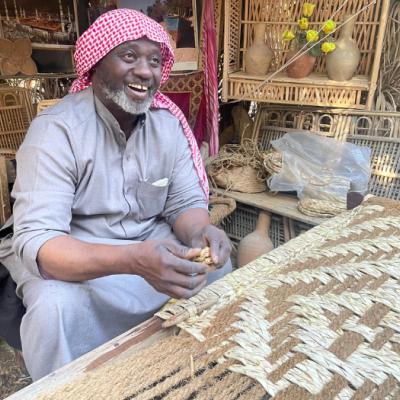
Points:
(318, 167)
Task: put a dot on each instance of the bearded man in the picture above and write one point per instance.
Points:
(110, 200)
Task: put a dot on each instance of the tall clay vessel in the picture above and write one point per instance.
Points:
(258, 56)
(342, 63)
(257, 242)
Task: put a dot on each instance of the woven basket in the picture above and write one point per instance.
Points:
(220, 207)
(320, 208)
(240, 179)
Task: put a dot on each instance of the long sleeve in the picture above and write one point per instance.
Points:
(44, 188)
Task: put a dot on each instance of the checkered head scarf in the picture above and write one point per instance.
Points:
(114, 28)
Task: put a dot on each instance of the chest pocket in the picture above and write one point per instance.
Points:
(151, 199)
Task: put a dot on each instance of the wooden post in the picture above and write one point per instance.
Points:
(378, 52)
(5, 207)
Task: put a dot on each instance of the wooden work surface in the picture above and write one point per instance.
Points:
(281, 204)
(128, 343)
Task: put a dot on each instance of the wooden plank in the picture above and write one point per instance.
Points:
(315, 78)
(5, 211)
(281, 204)
(130, 342)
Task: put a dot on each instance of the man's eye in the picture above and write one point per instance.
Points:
(156, 60)
(129, 56)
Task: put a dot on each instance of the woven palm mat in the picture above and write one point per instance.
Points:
(316, 318)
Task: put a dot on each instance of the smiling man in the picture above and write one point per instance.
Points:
(110, 199)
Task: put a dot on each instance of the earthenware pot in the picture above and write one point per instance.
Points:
(342, 63)
(301, 66)
(258, 57)
(257, 242)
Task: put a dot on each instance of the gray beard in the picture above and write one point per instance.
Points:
(120, 98)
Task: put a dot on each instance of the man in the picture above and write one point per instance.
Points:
(110, 200)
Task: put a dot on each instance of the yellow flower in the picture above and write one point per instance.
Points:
(303, 23)
(308, 9)
(312, 36)
(328, 47)
(329, 27)
(288, 35)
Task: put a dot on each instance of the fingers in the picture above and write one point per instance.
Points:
(190, 282)
(186, 267)
(220, 252)
(220, 245)
(183, 251)
(179, 292)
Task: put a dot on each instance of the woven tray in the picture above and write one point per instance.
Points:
(320, 208)
(316, 318)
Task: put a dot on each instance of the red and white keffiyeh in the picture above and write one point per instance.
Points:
(109, 31)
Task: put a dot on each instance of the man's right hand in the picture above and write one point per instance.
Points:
(166, 266)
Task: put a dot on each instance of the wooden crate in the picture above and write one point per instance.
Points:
(316, 89)
(334, 122)
(385, 157)
(16, 113)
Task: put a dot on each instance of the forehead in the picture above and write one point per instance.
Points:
(142, 44)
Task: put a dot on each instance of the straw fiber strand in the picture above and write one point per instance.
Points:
(316, 318)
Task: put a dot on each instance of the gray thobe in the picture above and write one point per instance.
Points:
(78, 175)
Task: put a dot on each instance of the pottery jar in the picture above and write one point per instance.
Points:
(342, 63)
(257, 242)
(258, 57)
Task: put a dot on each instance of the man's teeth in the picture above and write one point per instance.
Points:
(138, 87)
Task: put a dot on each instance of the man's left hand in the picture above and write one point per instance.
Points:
(218, 242)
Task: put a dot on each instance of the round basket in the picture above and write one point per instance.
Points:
(240, 179)
(220, 208)
(320, 208)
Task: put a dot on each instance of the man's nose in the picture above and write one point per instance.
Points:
(143, 69)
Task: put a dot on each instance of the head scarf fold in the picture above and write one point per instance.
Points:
(114, 28)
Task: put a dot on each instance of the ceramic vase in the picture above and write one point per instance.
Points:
(258, 56)
(302, 66)
(342, 63)
(257, 242)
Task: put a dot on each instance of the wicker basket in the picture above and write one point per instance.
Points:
(15, 116)
(316, 89)
(43, 104)
(385, 158)
(333, 122)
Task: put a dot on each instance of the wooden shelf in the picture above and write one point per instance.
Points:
(317, 90)
(281, 204)
(315, 78)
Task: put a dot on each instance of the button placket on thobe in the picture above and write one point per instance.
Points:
(130, 170)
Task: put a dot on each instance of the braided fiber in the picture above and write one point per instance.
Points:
(316, 318)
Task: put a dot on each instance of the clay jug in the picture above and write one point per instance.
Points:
(342, 63)
(302, 66)
(258, 56)
(257, 242)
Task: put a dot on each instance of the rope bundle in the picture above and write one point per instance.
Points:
(272, 161)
